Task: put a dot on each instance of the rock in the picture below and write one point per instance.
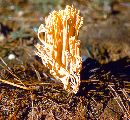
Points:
(11, 56)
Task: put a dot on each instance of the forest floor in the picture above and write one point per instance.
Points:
(27, 90)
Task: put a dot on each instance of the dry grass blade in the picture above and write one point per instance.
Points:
(9, 70)
(126, 95)
(37, 73)
(119, 100)
(15, 85)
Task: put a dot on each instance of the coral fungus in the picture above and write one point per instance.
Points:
(60, 49)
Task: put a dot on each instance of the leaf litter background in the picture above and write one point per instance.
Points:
(105, 87)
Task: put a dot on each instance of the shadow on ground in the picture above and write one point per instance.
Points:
(103, 82)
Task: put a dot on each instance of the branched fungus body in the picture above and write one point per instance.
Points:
(60, 49)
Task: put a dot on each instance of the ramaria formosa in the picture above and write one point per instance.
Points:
(60, 49)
